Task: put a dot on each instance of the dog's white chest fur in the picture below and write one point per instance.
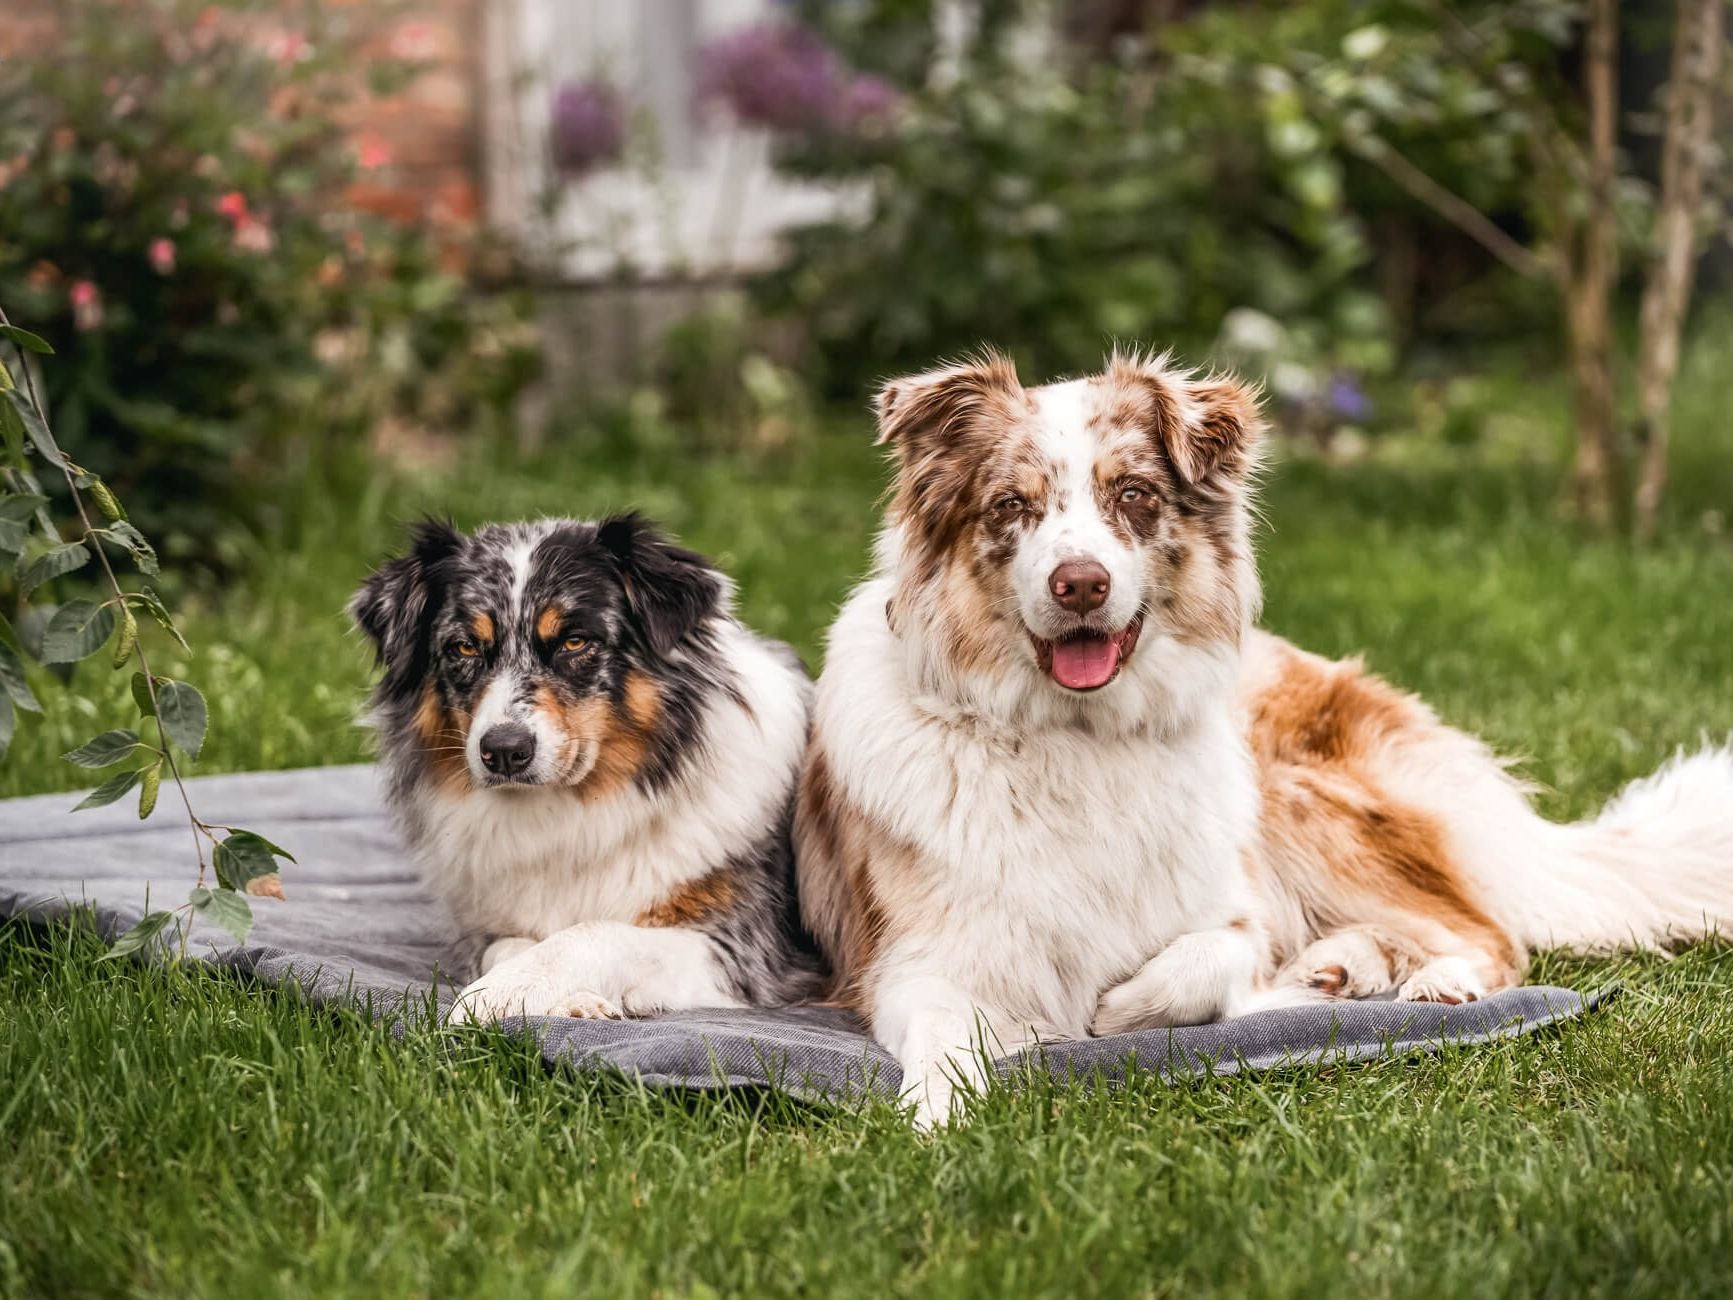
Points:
(1055, 861)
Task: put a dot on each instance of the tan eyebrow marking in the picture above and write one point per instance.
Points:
(482, 626)
(548, 625)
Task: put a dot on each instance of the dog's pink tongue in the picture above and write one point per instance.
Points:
(1086, 662)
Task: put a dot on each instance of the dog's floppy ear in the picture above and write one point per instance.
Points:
(395, 605)
(670, 590)
(918, 412)
(1209, 428)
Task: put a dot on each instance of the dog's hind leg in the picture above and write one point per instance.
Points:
(602, 969)
(1354, 962)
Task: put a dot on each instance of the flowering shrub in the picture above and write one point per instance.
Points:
(1051, 198)
(174, 225)
(588, 127)
(779, 74)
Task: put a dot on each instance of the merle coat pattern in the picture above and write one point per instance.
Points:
(594, 763)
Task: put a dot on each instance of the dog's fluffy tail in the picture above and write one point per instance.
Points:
(1654, 870)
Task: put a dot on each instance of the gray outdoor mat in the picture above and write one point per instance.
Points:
(358, 930)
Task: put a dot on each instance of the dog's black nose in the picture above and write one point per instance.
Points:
(506, 750)
(1080, 585)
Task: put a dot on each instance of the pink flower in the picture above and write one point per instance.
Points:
(288, 47)
(253, 235)
(162, 256)
(371, 151)
(86, 301)
(412, 41)
(233, 205)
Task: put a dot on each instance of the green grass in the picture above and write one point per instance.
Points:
(170, 1132)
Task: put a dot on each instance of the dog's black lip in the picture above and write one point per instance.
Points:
(1133, 631)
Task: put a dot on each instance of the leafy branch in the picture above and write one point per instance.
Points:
(244, 863)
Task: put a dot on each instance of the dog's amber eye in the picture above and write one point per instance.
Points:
(1010, 504)
(573, 643)
(468, 649)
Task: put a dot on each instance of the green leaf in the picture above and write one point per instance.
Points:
(141, 696)
(104, 750)
(143, 553)
(25, 339)
(226, 908)
(43, 521)
(19, 506)
(110, 790)
(78, 630)
(141, 934)
(35, 429)
(181, 710)
(149, 784)
(159, 612)
(51, 564)
(247, 861)
(11, 429)
(8, 724)
(12, 682)
(13, 535)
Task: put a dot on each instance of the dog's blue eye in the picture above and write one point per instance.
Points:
(1131, 493)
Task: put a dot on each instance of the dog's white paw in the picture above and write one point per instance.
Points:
(1126, 1007)
(490, 999)
(936, 1098)
(1444, 979)
(1192, 981)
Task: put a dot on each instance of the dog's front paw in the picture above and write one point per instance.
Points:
(1123, 1008)
(492, 998)
(1183, 984)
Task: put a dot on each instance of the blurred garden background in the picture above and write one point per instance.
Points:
(312, 270)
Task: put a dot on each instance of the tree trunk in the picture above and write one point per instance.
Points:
(1589, 278)
(1697, 43)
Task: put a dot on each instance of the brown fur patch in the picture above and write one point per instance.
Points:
(696, 901)
(943, 425)
(621, 733)
(482, 627)
(835, 846)
(1333, 836)
(443, 735)
(1328, 712)
(548, 622)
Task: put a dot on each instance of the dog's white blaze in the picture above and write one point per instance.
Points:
(1073, 527)
(518, 560)
(502, 703)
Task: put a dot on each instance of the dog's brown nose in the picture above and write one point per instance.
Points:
(1080, 585)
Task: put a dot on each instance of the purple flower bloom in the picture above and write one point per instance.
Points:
(869, 99)
(588, 127)
(1348, 400)
(780, 75)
